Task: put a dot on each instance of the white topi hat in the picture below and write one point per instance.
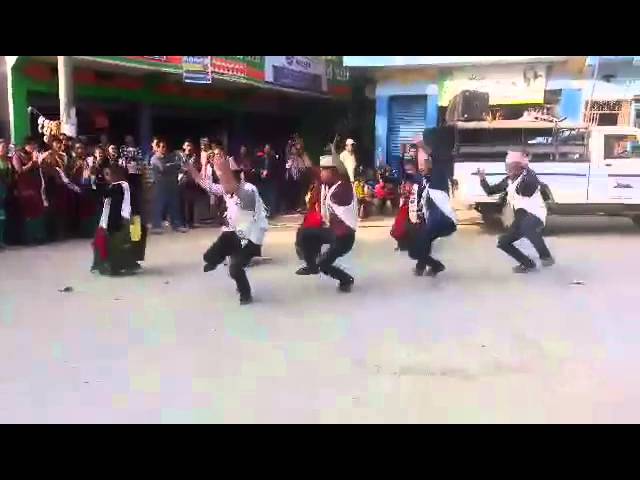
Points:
(519, 158)
(328, 161)
(350, 141)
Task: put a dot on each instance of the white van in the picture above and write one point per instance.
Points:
(588, 170)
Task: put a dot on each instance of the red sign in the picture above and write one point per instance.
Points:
(171, 60)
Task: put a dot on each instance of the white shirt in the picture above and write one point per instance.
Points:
(246, 214)
(349, 162)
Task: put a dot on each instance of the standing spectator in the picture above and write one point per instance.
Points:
(297, 177)
(104, 141)
(30, 192)
(131, 155)
(189, 190)
(5, 186)
(268, 170)
(165, 171)
(113, 154)
(58, 196)
(348, 159)
(67, 149)
(246, 163)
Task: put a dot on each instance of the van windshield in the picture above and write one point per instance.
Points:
(621, 146)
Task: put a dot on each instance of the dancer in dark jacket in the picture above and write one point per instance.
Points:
(440, 220)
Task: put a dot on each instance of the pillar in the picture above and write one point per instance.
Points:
(18, 103)
(69, 122)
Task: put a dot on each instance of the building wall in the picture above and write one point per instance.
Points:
(388, 88)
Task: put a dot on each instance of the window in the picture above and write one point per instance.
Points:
(621, 146)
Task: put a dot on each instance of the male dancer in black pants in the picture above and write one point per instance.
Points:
(526, 204)
(340, 220)
(246, 223)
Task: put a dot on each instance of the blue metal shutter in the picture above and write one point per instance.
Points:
(407, 118)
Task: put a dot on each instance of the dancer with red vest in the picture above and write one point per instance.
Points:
(339, 220)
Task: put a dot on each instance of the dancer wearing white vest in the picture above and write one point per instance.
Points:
(525, 211)
(245, 225)
(340, 220)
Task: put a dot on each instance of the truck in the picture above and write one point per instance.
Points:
(585, 170)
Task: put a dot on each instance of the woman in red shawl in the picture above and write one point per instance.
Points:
(58, 195)
(30, 194)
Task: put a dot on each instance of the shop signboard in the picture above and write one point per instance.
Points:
(302, 73)
(240, 67)
(196, 69)
(505, 84)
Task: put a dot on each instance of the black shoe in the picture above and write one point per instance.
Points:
(308, 271)
(523, 269)
(418, 272)
(246, 299)
(208, 267)
(547, 262)
(345, 287)
(134, 267)
(433, 271)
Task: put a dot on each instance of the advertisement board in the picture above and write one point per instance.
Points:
(240, 67)
(505, 84)
(302, 73)
(196, 69)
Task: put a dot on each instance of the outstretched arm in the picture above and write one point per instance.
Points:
(499, 187)
(210, 187)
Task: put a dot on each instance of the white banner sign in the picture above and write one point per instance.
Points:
(303, 73)
(505, 84)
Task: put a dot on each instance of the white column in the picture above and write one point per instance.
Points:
(68, 119)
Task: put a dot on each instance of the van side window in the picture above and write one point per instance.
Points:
(621, 146)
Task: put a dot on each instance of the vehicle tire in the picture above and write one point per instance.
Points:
(636, 220)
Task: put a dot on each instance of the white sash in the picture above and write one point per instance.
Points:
(125, 211)
(533, 204)
(348, 214)
(442, 201)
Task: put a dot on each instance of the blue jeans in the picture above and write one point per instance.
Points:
(166, 198)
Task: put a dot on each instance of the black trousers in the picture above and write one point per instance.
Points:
(422, 236)
(525, 225)
(311, 242)
(228, 245)
(188, 197)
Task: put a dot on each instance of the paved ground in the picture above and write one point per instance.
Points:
(477, 344)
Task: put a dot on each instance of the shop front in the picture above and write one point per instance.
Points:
(413, 93)
(144, 96)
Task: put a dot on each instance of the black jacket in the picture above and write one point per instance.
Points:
(527, 186)
(116, 193)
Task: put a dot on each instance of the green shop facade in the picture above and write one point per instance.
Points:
(147, 95)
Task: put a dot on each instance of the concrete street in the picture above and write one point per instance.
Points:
(477, 344)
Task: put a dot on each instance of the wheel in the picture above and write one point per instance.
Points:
(636, 220)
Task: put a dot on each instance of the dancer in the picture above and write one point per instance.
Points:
(440, 220)
(525, 211)
(113, 254)
(246, 222)
(338, 207)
